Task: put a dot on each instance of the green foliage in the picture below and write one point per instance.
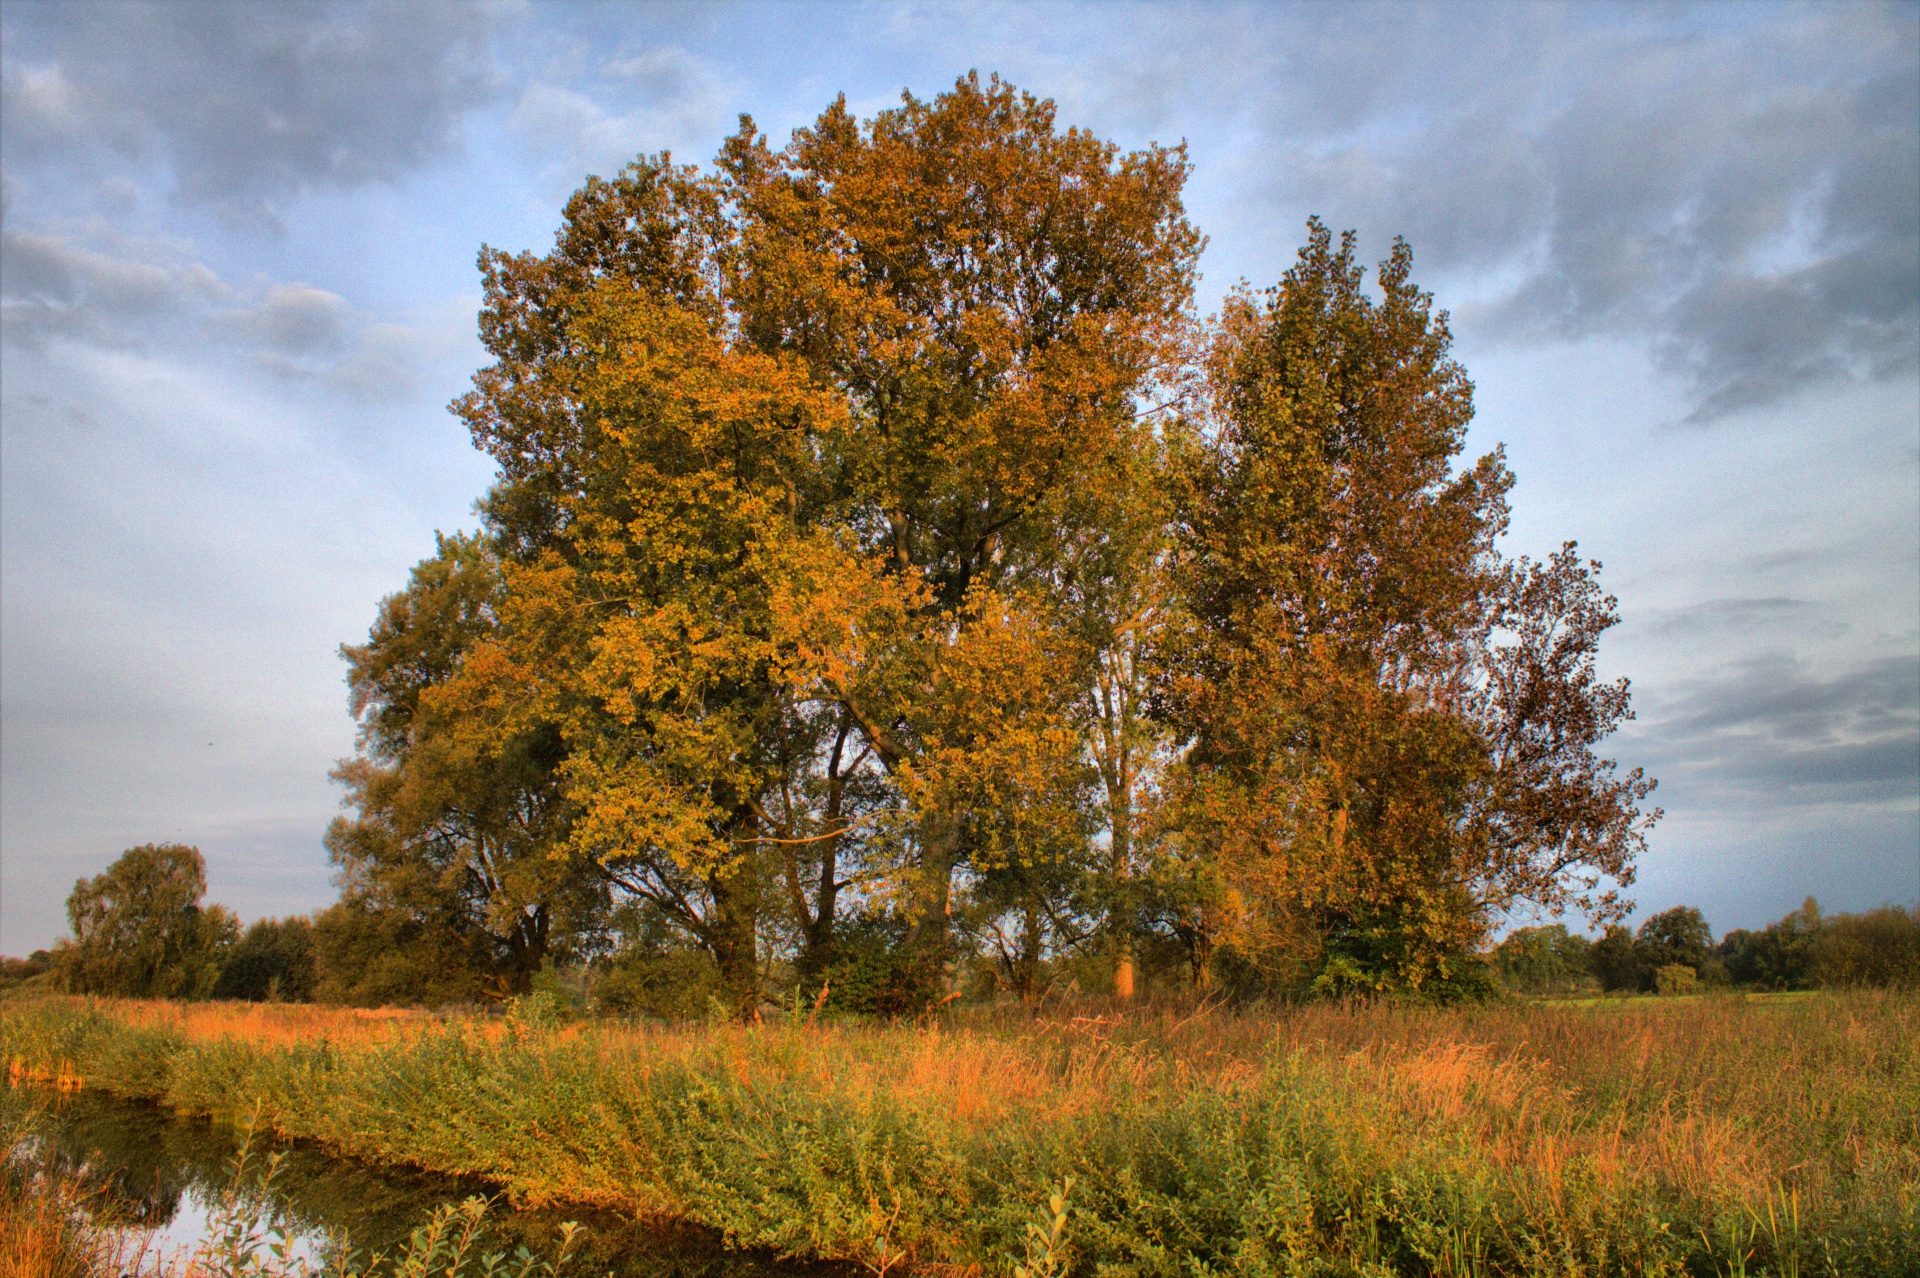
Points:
(1679, 935)
(1048, 1253)
(677, 985)
(1543, 960)
(1674, 978)
(1807, 949)
(273, 960)
(872, 973)
(16, 971)
(139, 930)
(366, 956)
(1615, 960)
(1878, 948)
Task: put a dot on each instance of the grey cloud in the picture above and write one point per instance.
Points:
(1740, 188)
(251, 103)
(294, 320)
(1775, 733)
(675, 103)
(1741, 614)
(97, 286)
(1758, 221)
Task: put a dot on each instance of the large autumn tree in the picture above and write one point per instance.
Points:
(877, 533)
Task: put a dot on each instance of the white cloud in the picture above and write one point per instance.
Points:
(93, 285)
(681, 107)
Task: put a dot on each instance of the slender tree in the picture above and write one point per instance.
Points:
(1337, 567)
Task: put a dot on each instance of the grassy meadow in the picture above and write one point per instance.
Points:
(1718, 1135)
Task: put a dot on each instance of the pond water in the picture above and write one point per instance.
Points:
(164, 1178)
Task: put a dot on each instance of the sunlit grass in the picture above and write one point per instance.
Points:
(1711, 1135)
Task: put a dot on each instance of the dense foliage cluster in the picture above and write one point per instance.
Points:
(889, 578)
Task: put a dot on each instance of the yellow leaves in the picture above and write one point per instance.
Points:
(633, 803)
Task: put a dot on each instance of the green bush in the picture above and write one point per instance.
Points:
(273, 960)
(676, 985)
(872, 973)
(1675, 978)
(1879, 948)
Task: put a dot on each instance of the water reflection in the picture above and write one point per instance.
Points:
(146, 1169)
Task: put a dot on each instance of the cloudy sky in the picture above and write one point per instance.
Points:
(1681, 247)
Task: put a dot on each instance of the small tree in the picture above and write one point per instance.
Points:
(1679, 935)
(273, 961)
(1675, 978)
(1613, 959)
(139, 930)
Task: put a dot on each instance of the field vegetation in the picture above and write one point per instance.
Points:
(1712, 1135)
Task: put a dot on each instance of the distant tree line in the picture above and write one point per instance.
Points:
(1674, 951)
(142, 931)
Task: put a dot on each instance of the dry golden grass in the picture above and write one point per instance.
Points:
(1714, 1092)
(272, 1024)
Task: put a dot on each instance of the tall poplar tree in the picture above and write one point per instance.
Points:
(1366, 762)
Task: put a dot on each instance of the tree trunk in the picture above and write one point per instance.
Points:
(1027, 978)
(929, 937)
(735, 951)
(1120, 914)
(1202, 960)
(817, 944)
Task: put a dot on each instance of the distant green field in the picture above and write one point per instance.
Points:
(1642, 1000)
(1669, 1136)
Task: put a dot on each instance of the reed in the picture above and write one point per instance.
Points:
(1706, 1136)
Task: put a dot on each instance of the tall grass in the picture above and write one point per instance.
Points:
(1712, 1136)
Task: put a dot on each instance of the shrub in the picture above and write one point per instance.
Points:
(674, 985)
(369, 957)
(273, 960)
(872, 972)
(1675, 978)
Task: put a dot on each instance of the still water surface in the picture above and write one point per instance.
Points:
(163, 1176)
